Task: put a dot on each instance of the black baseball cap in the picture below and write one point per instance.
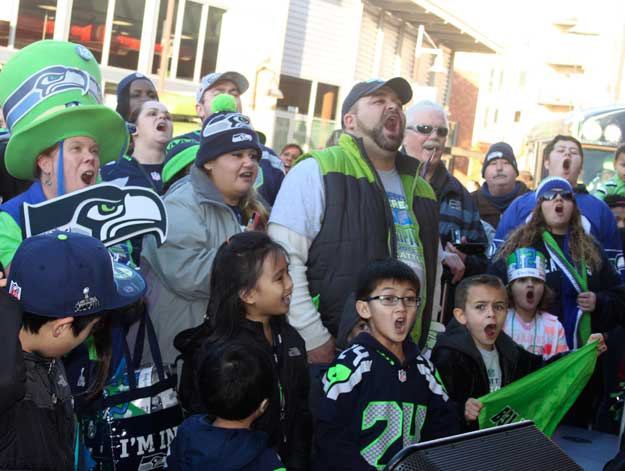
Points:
(398, 84)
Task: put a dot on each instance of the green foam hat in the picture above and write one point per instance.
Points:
(526, 262)
(179, 154)
(50, 91)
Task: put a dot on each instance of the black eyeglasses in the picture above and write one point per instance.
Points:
(391, 300)
(550, 195)
(426, 129)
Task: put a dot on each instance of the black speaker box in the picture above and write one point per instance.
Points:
(512, 447)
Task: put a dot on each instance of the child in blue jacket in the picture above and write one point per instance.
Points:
(235, 383)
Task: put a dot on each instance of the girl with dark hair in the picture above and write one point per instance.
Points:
(250, 295)
(589, 296)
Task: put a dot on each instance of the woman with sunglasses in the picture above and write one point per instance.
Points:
(589, 293)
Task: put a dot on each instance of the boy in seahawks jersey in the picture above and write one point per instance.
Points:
(380, 395)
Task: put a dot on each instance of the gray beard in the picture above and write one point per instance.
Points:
(377, 135)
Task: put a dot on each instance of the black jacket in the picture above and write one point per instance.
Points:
(462, 369)
(290, 437)
(459, 212)
(36, 418)
(489, 211)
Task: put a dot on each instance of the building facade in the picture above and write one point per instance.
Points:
(301, 57)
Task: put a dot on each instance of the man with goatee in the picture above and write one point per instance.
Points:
(346, 205)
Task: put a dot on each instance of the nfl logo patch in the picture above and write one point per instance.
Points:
(15, 290)
(402, 375)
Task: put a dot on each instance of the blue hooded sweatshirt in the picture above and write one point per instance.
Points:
(597, 219)
(199, 446)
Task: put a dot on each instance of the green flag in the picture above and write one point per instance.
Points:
(543, 396)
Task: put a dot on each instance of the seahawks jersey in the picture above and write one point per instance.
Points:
(372, 406)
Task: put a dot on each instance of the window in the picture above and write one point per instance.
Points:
(486, 113)
(35, 21)
(496, 116)
(87, 25)
(189, 39)
(211, 40)
(126, 34)
(5, 27)
(517, 116)
(325, 104)
(158, 46)
(296, 93)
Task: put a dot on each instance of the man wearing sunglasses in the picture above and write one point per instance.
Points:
(459, 219)
(564, 157)
(344, 206)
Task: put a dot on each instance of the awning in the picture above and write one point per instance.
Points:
(441, 25)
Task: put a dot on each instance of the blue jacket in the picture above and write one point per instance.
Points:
(372, 406)
(131, 170)
(596, 216)
(199, 446)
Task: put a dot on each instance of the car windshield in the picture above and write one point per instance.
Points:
(598, 167)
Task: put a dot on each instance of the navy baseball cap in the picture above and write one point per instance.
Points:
(398, 84)
(64, 274)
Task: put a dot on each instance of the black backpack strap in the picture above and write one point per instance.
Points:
(154, 348)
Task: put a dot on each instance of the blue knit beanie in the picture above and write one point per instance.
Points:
(553, 183)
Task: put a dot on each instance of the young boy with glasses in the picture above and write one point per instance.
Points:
(380, 394)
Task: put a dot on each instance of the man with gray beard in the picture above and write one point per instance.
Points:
(343, 206)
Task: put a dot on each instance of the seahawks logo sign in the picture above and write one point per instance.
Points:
(107, 212)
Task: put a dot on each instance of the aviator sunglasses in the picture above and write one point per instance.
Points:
(553, 194)
(427, 129)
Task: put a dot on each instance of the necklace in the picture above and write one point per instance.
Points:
(533, 346)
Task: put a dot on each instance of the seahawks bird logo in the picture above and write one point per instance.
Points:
(45, 83)
(107, 212)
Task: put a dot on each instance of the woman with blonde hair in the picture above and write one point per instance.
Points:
(215, 202)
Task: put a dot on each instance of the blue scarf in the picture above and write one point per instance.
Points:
(503, 201)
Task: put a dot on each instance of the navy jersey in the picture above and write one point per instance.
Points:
(372, 406)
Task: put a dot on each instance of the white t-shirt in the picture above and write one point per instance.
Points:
(300, 203)
(493, 369)
(409, 248)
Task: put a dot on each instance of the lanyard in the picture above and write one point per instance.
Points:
(277, 358)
